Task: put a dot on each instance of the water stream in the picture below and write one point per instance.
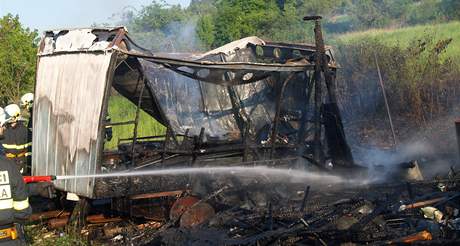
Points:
(287, 175)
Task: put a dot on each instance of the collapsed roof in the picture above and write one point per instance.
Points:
(190, 92)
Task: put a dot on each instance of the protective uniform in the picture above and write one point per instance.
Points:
(16, 144)
(27, 102)
(14, 204)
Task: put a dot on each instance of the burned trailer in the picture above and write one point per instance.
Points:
(248, 102)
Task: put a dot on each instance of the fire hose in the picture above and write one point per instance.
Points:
(36, 179)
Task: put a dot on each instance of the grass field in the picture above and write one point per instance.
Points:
(405, 36)
(121, 109)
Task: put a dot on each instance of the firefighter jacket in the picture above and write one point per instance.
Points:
(17, 146)
(14, 201)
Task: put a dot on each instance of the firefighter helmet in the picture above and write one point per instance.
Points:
(2, 116)
(27, 100)
(12, 112)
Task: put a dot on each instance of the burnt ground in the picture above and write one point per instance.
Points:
(251, 212)
(326, 215)
(263, 212)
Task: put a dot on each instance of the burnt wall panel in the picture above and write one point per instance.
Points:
(192, 104)
(69, 95)
(180, 99)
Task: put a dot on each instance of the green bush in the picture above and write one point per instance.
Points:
(421, 85)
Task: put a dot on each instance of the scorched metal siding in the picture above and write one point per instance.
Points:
(69, 95)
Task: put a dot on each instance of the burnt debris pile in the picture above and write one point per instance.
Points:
(412, 212)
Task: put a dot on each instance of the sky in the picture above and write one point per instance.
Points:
(54, 14)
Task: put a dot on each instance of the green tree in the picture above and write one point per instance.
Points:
(158, 15)
(204, 10)
(424, 12)
(202, 7)
(18, 48)
(205, 30)
(268, 19)
(207, 24)
(323, 7)
(378, 13)
(164, 27)
(451, 8)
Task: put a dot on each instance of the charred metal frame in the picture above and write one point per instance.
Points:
(266, 72)
(136, 124)
(321, 69)
(279, 100)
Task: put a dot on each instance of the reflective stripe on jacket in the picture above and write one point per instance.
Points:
(17, 146)
(14, 201)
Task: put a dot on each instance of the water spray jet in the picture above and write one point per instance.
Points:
(236, 171)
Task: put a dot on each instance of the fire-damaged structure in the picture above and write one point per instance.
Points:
(248, 101)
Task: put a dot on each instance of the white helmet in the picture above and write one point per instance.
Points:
(27, 100)
(2, 116)
(12, 112)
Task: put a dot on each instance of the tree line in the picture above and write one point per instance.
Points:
(211, 23)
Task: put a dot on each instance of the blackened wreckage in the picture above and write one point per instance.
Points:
(250, 101)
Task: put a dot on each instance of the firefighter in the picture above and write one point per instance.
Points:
(15, 142)
(14, 201)
(27, 101)
(17, 146)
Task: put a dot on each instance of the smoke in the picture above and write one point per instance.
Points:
(182, 37)
(434, 147)
(174, 37)
(373, 156)
(147, 28)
